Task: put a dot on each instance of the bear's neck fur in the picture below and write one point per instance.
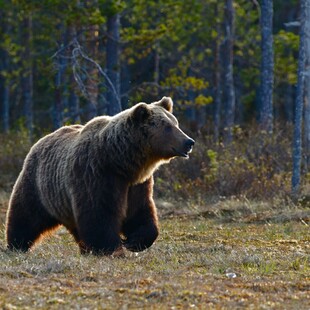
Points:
(118, 146)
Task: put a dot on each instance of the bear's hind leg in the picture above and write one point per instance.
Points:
(25, 224)
(74, 232)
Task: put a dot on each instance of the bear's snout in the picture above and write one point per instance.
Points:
(185, 148)
(188, 145)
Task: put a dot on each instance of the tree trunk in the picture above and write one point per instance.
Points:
(74, 105)
(4, 82)
(60, 66)
(217, 81)
(92, 80)
(73, 99)
(5, 102)
(288, 102)
(4, 92)
(297, 143)
(156, 67)
(229, 90)
(58, 107)
(27, 75)
(267, 66)
(102, 98)
(113, 65)
(125, 85)
(6, 108)
(307, 124)
(307, 101)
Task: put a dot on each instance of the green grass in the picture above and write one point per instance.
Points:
(198, 262)
(213, 252)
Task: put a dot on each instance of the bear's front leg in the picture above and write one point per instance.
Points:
(140, 227)
(99, 214)
(98, 235)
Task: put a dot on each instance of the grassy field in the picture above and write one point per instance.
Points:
(235, 254)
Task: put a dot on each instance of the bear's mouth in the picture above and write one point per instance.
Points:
(182, 154)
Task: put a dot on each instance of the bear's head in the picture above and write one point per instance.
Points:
(161, 129)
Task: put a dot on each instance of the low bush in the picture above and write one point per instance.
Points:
(13, 150)
(255, 165)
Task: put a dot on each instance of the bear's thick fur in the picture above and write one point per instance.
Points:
(96, 180)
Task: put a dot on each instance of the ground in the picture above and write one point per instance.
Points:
(224, 257)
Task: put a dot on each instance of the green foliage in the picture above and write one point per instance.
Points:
(214, 166)
(168, 29)
(247, 51)
(167, 48)
(286, 48)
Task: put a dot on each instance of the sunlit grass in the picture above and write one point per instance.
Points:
(211, 253)
(189, 266)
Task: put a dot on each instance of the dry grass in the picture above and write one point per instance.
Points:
(213, 252)
(198, 262)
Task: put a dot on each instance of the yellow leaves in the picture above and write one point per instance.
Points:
(292, 77)
(286, 44)
(208, 51)
(131, 60)
(214, 165)
(195, 83)
(186, 84)
(203, 100)
(95, 17)
(184, 81)
(214, 34)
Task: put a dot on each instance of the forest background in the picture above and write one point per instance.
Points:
(230, 67)
(234, 218)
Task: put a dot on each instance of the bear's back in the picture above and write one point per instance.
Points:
(51, 156)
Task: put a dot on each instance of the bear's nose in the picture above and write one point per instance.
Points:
(189, 143)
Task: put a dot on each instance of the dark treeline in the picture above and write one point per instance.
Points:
(67, 61)
(227, 65)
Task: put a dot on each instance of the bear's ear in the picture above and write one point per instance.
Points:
(140, 113)
(166, 103)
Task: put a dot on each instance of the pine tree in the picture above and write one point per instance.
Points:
(229, 90)
(267, 65)
(307, 101)
(297, 138)
(113, 65)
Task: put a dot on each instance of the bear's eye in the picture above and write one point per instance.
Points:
(168, 128)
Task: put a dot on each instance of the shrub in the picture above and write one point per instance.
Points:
(13, 149)
(255, 165)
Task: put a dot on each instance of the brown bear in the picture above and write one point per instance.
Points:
(97, 180)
